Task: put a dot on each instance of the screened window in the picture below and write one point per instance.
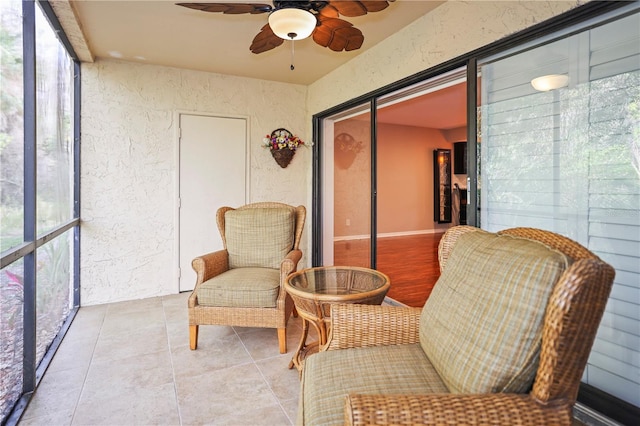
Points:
(38, 215)
(12, 327)
(567, 159)
(54, 290)
(54, 128)
(11, 199)
(11, 126)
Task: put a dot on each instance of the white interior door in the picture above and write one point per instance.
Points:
(213, 173)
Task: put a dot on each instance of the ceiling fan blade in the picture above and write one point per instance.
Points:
(337, 34)
(229, 8)
(265, 40)
(329, 12)
(357, 8)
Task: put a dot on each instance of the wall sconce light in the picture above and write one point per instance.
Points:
(550, 82)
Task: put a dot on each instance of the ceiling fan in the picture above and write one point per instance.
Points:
(296, 20)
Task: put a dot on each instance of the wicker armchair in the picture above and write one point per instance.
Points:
(571, 312)
(242, 285)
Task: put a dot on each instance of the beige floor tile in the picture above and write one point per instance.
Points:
(73, 354)
(117, 323)
(176, 313)
(209, 357)
(90, 314)
(176, 299)
(222, 394)
(134, 306)
(178, 333)
(284, 382)
(57, 391)
(208, 335)
(263, 342)
(129, 363)
(57, 418)
(146, 406)
(87, 323)
(265, 416)
(126, 376)
(131, 343)
(290, 407)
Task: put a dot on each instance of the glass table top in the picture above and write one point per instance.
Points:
(337, 280)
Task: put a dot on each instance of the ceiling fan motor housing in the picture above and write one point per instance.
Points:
(304, 5)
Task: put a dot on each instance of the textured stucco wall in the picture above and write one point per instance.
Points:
(450, 30)
(128, 163)
(129, 136)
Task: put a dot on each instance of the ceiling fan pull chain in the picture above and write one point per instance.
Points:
(292, 52)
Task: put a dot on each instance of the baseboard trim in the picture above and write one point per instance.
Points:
(390, 234)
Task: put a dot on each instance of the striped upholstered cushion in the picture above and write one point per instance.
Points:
(328, 377)
(482, 325)
(259, 237)
(241, 288)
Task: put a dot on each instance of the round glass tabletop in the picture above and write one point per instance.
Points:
(333, 281)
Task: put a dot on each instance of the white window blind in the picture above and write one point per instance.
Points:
(568, 160)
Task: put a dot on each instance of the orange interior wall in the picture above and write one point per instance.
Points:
(405, 179)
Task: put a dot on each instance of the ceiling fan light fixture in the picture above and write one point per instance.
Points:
(292, 23)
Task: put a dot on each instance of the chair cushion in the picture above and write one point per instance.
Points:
(328, 377)
(482, 324)
(260, 237)
(243, 287)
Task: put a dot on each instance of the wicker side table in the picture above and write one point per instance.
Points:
(313, 290)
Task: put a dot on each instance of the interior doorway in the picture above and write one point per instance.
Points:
(381, 186)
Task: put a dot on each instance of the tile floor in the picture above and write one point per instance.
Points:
(129, 363)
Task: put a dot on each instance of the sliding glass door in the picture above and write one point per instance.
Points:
(560, 150)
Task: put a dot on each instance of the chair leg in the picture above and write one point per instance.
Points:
(193, 337)
(282, 340)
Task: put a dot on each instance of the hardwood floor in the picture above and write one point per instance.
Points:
(411, 263)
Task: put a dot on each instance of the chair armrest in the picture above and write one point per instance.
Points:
(438, 409)
(209, 265)
(355, 325)
(289, 264)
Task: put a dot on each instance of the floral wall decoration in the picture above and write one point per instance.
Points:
(283, 145)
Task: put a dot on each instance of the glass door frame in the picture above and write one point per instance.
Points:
(318, 166)
(320, 128)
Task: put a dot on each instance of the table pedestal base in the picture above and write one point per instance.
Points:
(304, 349)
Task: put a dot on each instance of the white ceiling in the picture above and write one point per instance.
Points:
(160, 32)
